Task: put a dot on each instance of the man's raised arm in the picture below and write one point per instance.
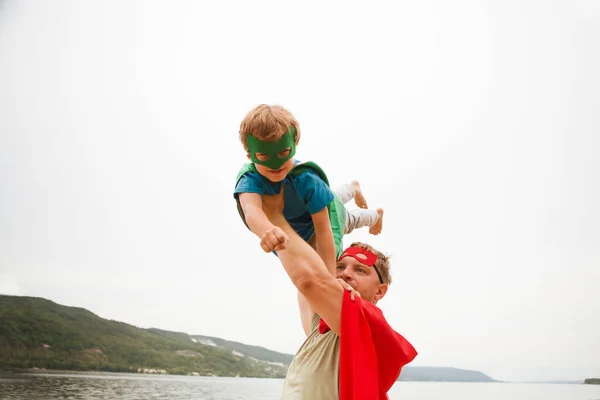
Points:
(305, 268)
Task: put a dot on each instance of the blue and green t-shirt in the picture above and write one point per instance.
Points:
(305, 194)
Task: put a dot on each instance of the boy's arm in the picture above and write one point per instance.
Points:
(255, 217)
(324, 239)
(317, 195)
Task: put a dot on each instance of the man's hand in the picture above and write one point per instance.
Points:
(274, 239)
(349, 288)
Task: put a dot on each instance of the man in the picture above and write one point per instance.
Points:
(351, 352)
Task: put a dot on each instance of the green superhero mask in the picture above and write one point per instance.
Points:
(272, 149)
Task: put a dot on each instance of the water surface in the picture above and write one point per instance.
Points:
(107, 386)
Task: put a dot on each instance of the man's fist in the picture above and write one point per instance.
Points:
(274, 239)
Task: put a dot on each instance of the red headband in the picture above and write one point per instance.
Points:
(363, 256)
(360, 254)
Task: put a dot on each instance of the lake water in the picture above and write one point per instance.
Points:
(107, 386)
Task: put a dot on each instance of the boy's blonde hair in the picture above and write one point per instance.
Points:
(382, 263)
(268, 123)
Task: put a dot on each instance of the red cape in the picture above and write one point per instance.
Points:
(372, 354)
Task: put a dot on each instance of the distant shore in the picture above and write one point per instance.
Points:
(4, 371)
(15, 372)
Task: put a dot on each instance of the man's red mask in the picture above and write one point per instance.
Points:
(363, 256)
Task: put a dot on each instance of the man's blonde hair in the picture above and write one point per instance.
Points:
(382, 263)
(268, 123)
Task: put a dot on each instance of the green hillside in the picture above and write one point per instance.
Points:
(443, 374)
(592, 381)
(251, 351)
(38, 333)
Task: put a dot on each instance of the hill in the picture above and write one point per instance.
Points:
(38, 333)
(252, 351)
(443, 374)
(592, 381)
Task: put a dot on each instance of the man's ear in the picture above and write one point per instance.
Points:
(381, 291)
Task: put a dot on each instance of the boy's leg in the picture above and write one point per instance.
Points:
(356, 219)
(351, 191)
(345, 193)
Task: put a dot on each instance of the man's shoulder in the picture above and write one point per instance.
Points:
(375, 318)
(314, 322)
(370, 310)
(392, 350)
(370, 307)
(384, 334)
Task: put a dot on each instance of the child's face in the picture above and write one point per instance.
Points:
(274, 175)
(273, 160)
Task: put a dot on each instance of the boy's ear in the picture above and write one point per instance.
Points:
(248, 155)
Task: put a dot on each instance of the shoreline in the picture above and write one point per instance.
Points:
(11, 371)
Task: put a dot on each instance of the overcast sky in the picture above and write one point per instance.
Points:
(476, 125)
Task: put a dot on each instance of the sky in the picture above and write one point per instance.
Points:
(474, 124)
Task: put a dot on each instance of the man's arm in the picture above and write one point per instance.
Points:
(324, 239)
(307, 271)
(306, 313)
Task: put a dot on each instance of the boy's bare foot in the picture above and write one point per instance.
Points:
(376, 229)
(359, 199)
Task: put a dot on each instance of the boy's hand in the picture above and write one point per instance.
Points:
(274, 239)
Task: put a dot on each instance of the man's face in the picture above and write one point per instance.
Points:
(362, 278)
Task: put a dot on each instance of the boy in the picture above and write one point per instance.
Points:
(269, 135)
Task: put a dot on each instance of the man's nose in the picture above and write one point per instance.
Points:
(345, 275)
